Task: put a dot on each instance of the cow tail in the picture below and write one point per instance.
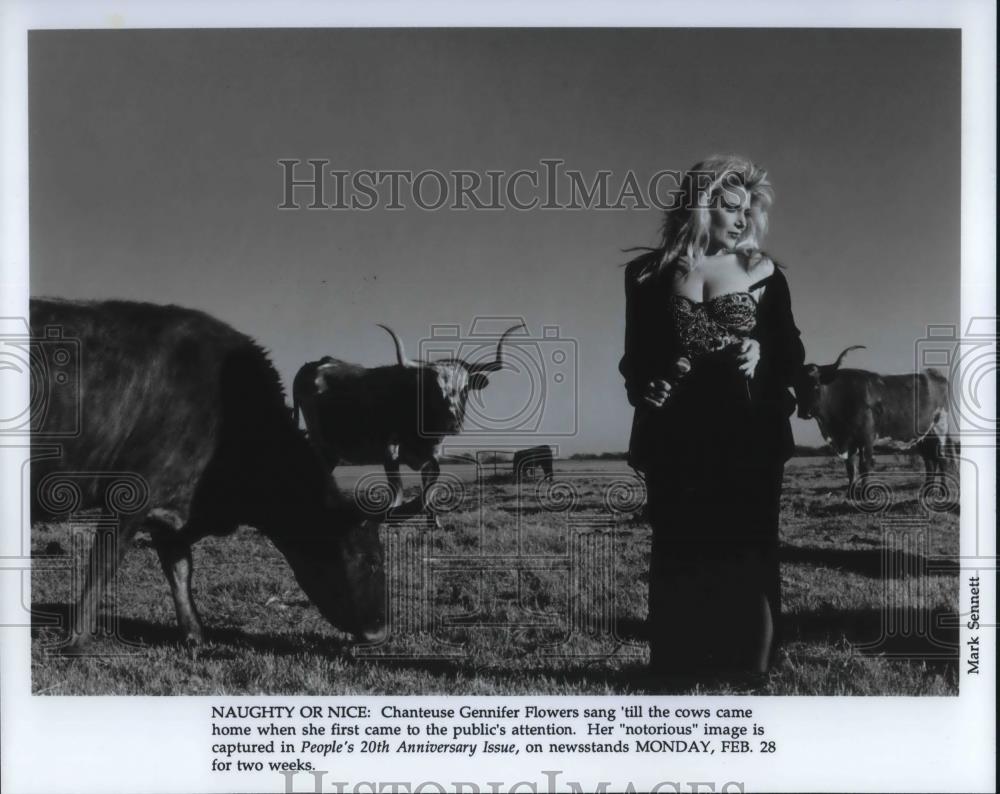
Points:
(295, 409)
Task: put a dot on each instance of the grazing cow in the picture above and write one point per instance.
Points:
(197, 411)
(854, 409)
(389, 415)
(527, 460)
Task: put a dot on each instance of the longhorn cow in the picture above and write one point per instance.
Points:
(389, 415)
(855, 408)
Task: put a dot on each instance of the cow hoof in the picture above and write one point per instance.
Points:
(76, 647)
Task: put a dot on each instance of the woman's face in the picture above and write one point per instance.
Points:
(729, 213)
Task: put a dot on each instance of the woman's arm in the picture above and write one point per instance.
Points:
(631, 364)
(791, 352)
(649, 338)
(779, 337)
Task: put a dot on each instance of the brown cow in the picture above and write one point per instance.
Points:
(391, 414)
(196, 410)
(855, 408)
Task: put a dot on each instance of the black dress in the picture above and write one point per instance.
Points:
(713, 456)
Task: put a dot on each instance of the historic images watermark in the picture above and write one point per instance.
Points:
(451, 595)
(316, 781)
(51, 361)
(550, 582)
(313, 184)
(551, 587)
(969, 362)
(540, 368)
(942, 424)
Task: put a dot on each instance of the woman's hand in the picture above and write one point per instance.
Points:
(656, 393)
(748, 357)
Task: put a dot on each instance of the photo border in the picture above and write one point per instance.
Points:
(89, 744)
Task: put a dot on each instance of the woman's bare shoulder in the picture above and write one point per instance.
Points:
(686, 280)
(759, 264)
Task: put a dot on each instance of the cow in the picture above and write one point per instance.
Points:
(855, 408)
(389, 415)
(527, 460)
(195, 412)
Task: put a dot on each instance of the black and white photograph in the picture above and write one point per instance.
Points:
(508, 373)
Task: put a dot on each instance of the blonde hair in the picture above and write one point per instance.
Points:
(685, 234)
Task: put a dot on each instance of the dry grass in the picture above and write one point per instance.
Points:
(542, 593)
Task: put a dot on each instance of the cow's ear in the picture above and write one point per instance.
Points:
(478, 381)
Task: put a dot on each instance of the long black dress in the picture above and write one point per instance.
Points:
(713, 456)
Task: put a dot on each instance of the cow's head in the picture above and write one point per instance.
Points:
(445, 385)
(339, 564)
(809, 380)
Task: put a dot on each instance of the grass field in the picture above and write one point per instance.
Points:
(532, 590)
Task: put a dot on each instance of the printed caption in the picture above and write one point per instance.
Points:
(279, 738)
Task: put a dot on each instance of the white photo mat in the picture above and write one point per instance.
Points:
(153, 744)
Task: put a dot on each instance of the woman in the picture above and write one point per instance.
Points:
(710, 350)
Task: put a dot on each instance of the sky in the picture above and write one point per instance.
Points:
(154, 176)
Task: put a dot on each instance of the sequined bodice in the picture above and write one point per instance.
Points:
(714, 325)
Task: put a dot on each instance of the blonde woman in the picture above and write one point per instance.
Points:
(710, 351)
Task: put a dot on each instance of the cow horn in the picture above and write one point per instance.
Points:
(401, 358)
(828, 370)
(836, 364)
(497, 363)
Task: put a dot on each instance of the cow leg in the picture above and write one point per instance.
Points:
(926, 448)
(866, 460)
(928, 466)
(932, 450)
(173, 540)
(106, 553)
(936, 476)
(429, 473)
(398, 510)
(938, 460)
(944, 459)
(395, 482)
(849, 465)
